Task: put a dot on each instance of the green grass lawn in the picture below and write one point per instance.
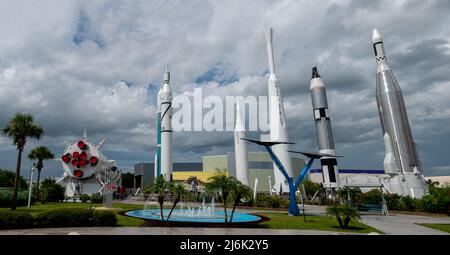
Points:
(122, 221)
(278, 220)
(441, 227)
(284, 221)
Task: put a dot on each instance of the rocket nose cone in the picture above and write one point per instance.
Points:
(376, 36)
(315, 73)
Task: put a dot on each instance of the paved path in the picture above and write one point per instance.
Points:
(164, 231)
(401, 224)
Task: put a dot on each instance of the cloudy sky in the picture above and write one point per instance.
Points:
(98, 64)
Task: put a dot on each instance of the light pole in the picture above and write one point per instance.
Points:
(31, 185)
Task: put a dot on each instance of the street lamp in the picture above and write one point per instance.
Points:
(31, 184)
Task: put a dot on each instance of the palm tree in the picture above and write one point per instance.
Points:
(179, 191)
(19, 128)
(221, 184)
(159, 186)
(430, 183)
(40, 154)
(348, 212)
(239, 191)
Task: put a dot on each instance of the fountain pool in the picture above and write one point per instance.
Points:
(197, 216)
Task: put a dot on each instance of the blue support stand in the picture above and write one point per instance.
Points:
(293, 208)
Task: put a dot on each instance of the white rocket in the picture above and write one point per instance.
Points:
(277, 119)
(401, 160)
(240, 148)
(324, 133)
(158, 135)
(166, 128)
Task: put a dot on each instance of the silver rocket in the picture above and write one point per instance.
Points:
(324, 134)
(401, 161)
(277, 121)
(166, 128)
(240, 148)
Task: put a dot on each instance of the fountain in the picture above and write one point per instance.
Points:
(193, 213)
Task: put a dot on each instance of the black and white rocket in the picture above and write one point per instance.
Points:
(324, 135)
(401, 160)
(166, 127)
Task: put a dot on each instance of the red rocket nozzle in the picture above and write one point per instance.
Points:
(93, 161)
(82, 145)
(78, 173)
(66, 158)
(83, 155)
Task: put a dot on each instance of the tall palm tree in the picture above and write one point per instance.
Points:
(19, 128)
(159, 186)
(239, 191)
(179, 191)
(222, 184)
(40, 154)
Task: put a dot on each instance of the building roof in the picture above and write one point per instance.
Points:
(352, 171)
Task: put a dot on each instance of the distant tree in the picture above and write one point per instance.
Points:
(7, 180)
(178, 190)
(159, 186)
(19, 128)
(40, 154)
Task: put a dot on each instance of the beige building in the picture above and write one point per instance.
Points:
(260, 166)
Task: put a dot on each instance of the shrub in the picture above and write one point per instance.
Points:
(392, 201)
(104, 219)
(344, 214)
(372, 197)
(6, 198)
(271, 201)
(437, 201)
(65, 217)
(96, 198)
(50, 191)
(407, 204)
(84, 198)
(15, 219)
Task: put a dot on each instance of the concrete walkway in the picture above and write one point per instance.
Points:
(164, 231)
(401, 224)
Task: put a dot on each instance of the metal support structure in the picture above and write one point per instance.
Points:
(31, 186)
(293, 208)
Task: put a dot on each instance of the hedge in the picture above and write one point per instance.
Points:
(15, 219)
(63, 217)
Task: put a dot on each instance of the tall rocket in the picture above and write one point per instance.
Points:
(277, 120)
(324, 135)
(401, 161)
(240, 148)
(158, 135)
(166, 127)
